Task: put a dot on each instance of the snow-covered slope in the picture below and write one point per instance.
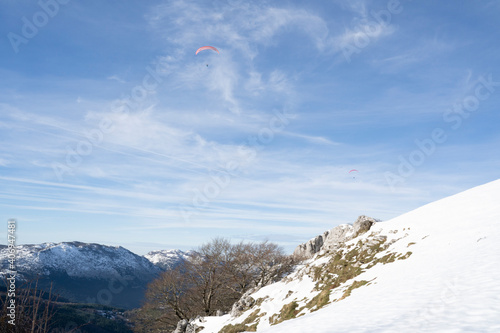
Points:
(167, 259)
(434, 269)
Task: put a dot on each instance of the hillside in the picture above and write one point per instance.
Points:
(433, 269)
(84, 272)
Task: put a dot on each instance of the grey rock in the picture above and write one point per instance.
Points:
(189, 326)
(192, 328)
(243, 304)
(332, 239)
(337, 236)
(310, 247)
(181, 326)
(362, 225)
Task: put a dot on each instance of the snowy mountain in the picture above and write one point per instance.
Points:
(78, 259)
(434, 269)
(83, 272)
(167, 259)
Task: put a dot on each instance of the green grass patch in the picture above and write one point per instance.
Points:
(248, 325)
(319, 301)
(237, 328)
(406, 256)
(288, 311)
(260, 300)
(354, 285)
(254, 316)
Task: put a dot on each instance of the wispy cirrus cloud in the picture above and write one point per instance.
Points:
(364, 32)
(241, 27)
(116, 78)
(280, 90)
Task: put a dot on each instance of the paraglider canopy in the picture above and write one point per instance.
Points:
(353, 170)
(207, 48)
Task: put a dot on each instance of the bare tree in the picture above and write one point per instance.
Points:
(271, 263)
(169, 291)
(207, 273)
(217, 274)
(240, 269)
(34, 309)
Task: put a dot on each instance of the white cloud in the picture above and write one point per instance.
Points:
(358, 7)
(364, 34)
(116, 78)
(312, 138)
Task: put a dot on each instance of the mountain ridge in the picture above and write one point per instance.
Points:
(86, 272)
(167, 259)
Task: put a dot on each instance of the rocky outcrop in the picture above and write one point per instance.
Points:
(244, 303)
(332, 239)
(312, 246)
(181, 326)
(362, 225)
(189, 326)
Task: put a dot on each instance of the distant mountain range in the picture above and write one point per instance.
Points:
(167, 259)
(91, 273)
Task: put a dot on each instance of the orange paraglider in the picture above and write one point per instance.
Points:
(207, 48)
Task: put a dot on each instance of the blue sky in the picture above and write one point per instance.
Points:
(113, 131)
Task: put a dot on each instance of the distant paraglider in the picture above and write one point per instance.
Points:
(207, 48)
(354, 174)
